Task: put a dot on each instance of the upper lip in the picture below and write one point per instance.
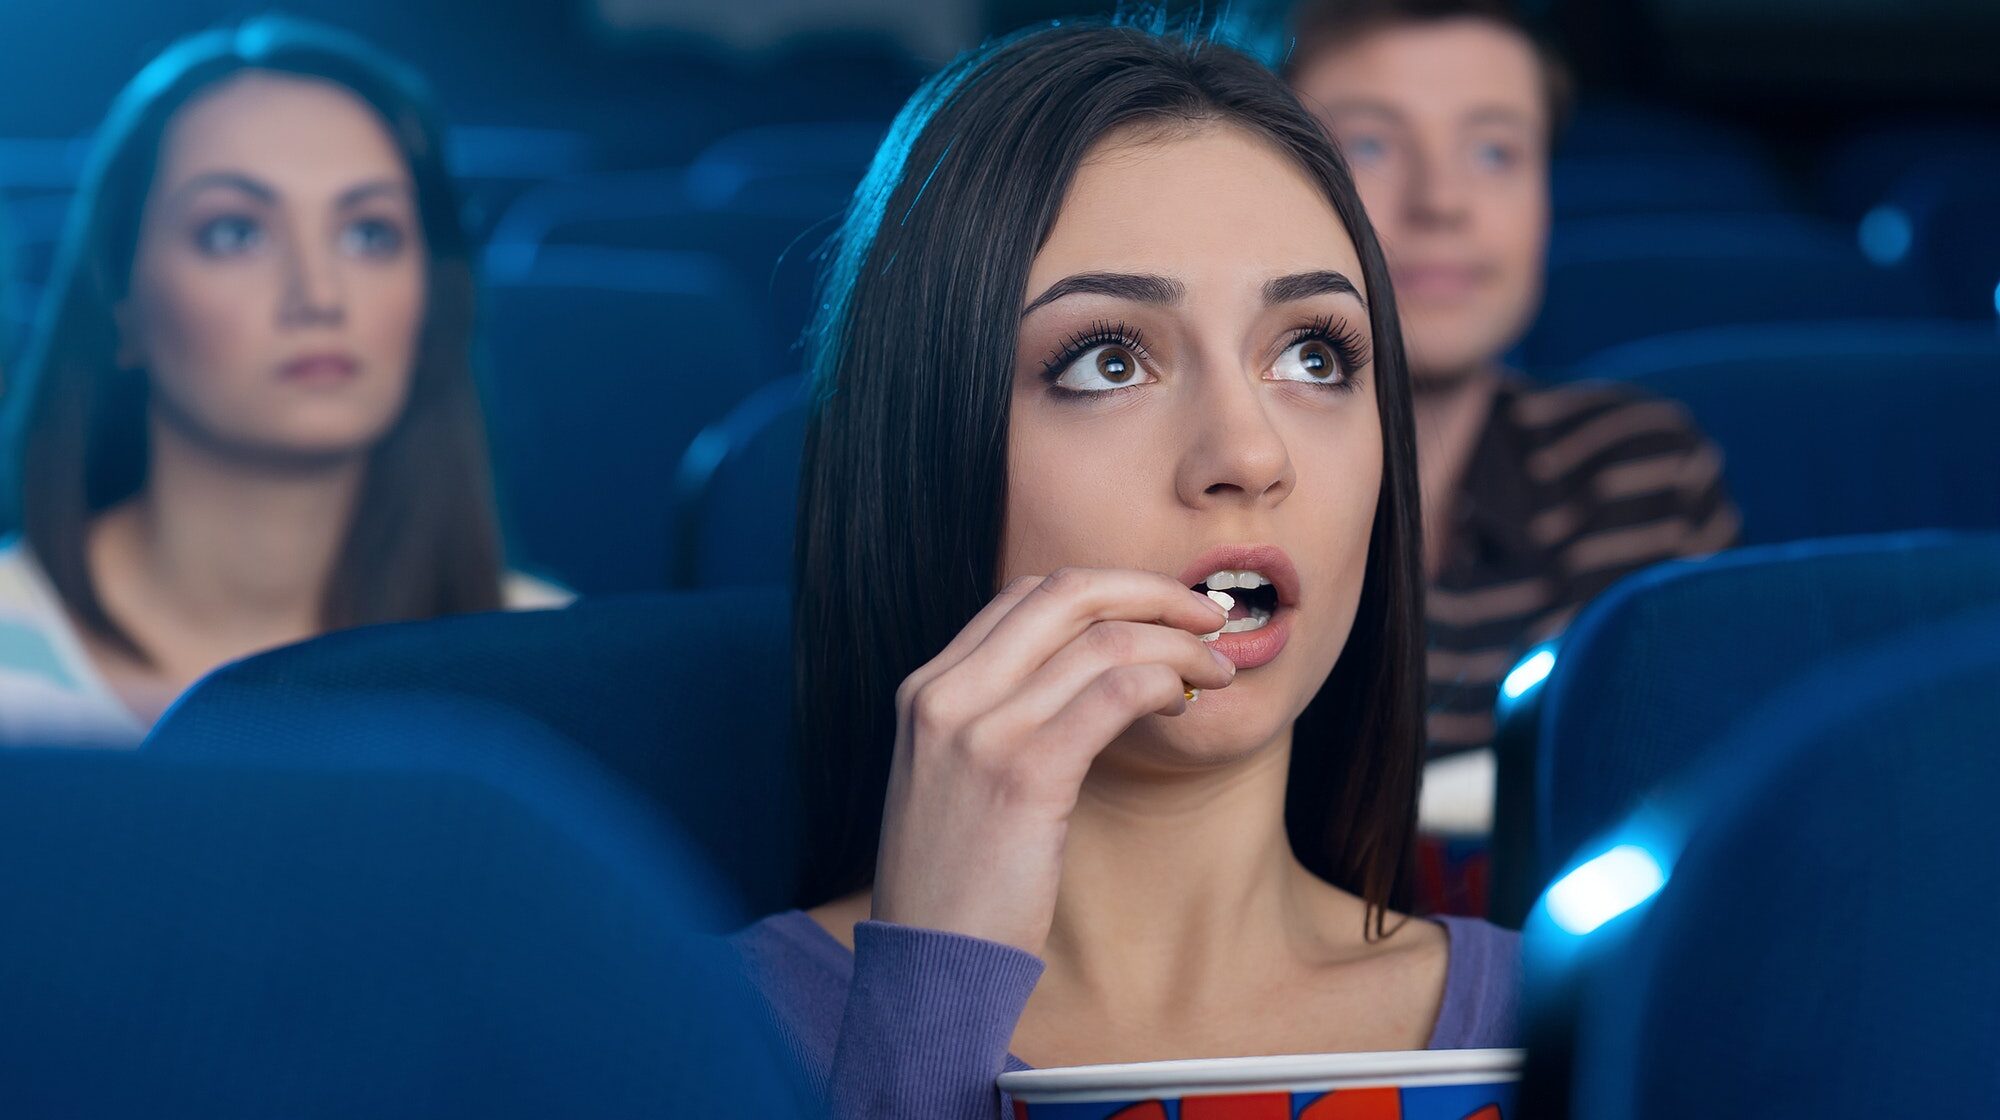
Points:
(1266, 558)
(334, 358)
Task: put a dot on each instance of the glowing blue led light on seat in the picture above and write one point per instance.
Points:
(1528, 674)
(1604, 887)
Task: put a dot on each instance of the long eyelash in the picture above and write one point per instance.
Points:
(1082, 342)
(1350, 346)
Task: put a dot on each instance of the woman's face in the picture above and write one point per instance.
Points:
(278, 287)
(1193, 394)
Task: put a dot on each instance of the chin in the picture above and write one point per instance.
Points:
(1218, 729)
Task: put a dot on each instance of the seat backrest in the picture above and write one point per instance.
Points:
(1812, 446)
(455, 914)
(685, 698)
(1822, 945)
(738, 491)
(1599, 186)
(604, 364)
(1616, 279)
(1666, 661)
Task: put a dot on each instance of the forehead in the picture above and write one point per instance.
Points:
(1446, 67)
(1212, 206)
(285, 130)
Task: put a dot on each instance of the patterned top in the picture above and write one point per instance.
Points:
(1571, 488)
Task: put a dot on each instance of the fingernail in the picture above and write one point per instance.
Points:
(1222, 599)
(1223, 661)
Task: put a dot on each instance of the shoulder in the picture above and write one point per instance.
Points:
(520, 591)
(1589, 424)
(34, 631)
(803, 974)
(47, 692)
(22, 586)
(1482, 988)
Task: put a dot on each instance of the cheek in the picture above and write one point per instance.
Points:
(1381, 190)
(204, 326)
(387, 306)
(1340, 479)
(1077, 491)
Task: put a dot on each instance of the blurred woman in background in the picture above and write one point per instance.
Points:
(248, 415)
(1110, 597)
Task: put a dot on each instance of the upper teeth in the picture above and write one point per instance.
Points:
(1226, 579)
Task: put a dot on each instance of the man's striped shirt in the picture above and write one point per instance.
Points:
(1570, 488)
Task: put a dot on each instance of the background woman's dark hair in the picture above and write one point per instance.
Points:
(903, 488)
(423, 539)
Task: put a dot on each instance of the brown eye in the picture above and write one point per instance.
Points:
(1115, 365)
(1313, 361)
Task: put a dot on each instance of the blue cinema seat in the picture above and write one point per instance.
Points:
(436, 908)
(1606, 126)
(1669, 659)
(738, 491)
(762, 200)
(1617, 279)
(684, 698)
(604, 364)
(1837, 428)
(1802, 927)
(1940, 213)
(1599, 186)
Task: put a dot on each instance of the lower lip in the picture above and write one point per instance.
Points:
(321, 371)
(1252, 648)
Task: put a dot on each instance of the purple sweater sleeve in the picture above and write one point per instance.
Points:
(928, 1019)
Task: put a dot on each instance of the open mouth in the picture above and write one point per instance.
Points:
(1249, 596)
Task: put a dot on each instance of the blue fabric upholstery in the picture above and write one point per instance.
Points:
(605, 363)
(739, 486)
(1838, 428)
(452, 914)
(1946, 201)
(684, 698)
(1823, 945)
(1599, 186)
(1668, 660)
(1616, 279)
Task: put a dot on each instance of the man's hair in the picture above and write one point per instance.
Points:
(1318, 26)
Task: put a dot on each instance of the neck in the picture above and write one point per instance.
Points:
(245, 547)
(1451, 413)
(1172, 884)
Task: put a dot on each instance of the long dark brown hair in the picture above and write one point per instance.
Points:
(423, 538)
(905, 472)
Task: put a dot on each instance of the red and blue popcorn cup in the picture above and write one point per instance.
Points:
(1403, 1085)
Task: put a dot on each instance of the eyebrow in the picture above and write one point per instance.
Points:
(1119, 285)
(1305, 285)
(234, 180)
(1162, 290)
(354, 196)
(263, 192)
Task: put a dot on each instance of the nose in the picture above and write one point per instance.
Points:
(1234, 454)
(313, 294)
(1436, 194)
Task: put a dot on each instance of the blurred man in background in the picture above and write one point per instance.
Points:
(1536, 497)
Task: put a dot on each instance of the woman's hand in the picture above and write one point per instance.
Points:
(994, 737)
